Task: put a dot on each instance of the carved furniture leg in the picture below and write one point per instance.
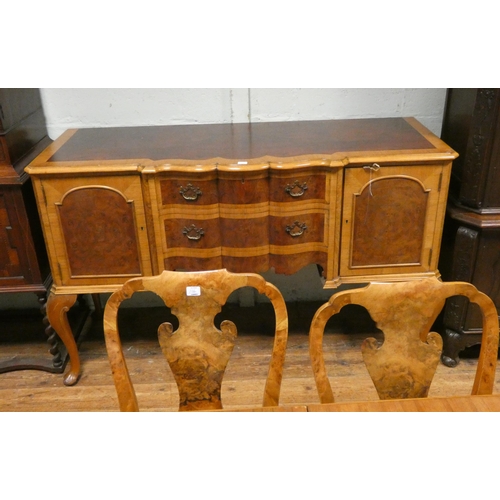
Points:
(455, 342)
(57, 309)
(52, 338)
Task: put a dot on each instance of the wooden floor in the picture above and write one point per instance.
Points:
(38, 391)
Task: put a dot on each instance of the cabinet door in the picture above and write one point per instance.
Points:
(97, 229)
(392, 220)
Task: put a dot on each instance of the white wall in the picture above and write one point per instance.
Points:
(75, 108)
(70, 108)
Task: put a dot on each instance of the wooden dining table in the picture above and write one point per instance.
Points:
(485, 403)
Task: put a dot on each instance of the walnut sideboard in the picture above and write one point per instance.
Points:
(363, 199)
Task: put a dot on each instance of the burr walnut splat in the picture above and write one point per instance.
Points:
(403, 367)
(197, 351)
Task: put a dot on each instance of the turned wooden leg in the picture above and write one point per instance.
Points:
(57, 309)
(52, 338)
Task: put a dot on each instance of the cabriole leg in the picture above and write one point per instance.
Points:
(57, 309)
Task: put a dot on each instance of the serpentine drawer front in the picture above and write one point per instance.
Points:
(363, 199)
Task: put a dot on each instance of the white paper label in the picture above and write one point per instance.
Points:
(193, 291)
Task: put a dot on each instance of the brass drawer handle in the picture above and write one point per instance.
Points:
(296, 189)
(193, 233)
(190, 192)
(296, 229)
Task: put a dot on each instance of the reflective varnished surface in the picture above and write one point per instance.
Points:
(241, 141)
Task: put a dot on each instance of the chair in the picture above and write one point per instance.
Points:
(197, 351)
(405, 364)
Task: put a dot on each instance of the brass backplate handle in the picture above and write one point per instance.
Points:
(296, 229)
(193, 233)
(296, 189)
(190, 192)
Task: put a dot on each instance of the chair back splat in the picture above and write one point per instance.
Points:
(405, 364)
(197, 351)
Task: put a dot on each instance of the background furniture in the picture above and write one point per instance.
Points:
(471, 242)
(24, 265)
(362, 199)
(404, 365)
(197, 351)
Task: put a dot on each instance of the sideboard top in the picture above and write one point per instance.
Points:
(294, 143)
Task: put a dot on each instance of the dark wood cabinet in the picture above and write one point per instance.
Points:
(24, 265)
(23, 258)
(471, 238)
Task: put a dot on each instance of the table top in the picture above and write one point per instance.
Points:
(329, 142)
(449, 404)
(266, 409)
(486, 403)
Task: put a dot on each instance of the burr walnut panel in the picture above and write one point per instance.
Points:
(99, 232)
(389, 209)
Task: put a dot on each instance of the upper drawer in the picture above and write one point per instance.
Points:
(188, 191)
(296, 188)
